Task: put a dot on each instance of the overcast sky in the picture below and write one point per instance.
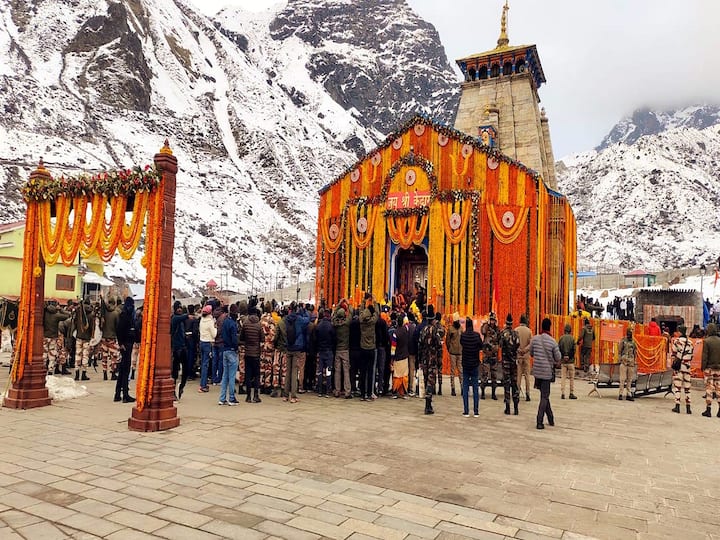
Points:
(602, 59)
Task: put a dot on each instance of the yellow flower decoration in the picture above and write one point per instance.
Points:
(37, 272)
(143, 261)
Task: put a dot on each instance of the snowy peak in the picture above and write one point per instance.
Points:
(645, 121)
(375, 58)
(261, 110)
(653, 203)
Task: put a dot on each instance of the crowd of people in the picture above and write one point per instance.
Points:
(365, 351)
(257, 348)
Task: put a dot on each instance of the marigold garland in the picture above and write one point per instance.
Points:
(101, 236)
(364, 241)
(456, 236)
(31, 274)
(504, 235)
(148, 344)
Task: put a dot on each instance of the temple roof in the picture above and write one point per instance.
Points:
(450, 132)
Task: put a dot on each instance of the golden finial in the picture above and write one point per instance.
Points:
(166, 149)
(503, 40)
(41, 166)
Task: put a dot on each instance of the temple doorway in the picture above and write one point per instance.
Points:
(411, 266)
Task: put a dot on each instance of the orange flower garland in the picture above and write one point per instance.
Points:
(93, 229)
(148, 344)
(405, 231)
(130, 234)
(364, 241)
(28, 291)
(65, 241)
(503, 234)
(456, 236)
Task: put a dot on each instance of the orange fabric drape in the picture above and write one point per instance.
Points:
(651, 353)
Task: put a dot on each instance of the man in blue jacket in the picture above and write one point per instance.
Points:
(229, 333)
(296, 323)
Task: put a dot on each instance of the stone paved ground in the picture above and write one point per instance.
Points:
(327, 468)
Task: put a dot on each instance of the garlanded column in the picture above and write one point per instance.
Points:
(154, 409)
(28, 372)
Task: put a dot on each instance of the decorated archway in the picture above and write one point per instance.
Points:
(98, 206)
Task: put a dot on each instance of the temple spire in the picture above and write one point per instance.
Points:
(503, 40)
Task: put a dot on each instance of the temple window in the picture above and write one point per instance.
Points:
(472, 74)
(482, 73)
(507, 68)
(495, 70)
(520, 66)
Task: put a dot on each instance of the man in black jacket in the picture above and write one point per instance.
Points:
(125, 338)
(325, 343)
(252, 337)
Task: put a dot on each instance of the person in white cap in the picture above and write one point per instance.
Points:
(208, 332)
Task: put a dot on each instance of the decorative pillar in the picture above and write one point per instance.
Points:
(30, 390)
(159, 413)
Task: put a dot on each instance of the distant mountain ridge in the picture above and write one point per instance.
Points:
(648, 197)
(646, 121)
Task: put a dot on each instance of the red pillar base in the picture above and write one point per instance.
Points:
(160, 414)
(30, 391)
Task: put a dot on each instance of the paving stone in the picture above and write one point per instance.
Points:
(17, 519)
(142, 522)
(42, 531)
(319, 527)
(231, 531)
(91, 524)
(410, 527)
(265, 512)
(468, 532)
(284, 531)
(321, 515)
(49, 511)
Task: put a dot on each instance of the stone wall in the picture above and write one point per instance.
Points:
(518, 122)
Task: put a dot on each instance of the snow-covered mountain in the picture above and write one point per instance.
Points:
(649, 195)
(260, 109)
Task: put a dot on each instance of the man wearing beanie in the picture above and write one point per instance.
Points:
(567, 347)
(509, 345)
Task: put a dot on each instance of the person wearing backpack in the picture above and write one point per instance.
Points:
(628, 355)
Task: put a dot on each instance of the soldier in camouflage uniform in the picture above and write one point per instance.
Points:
(267, 352)
(682, 352)
(430, 348)
(490, 334)
(53, 345)
(509, 345)
(711, 368)
(109, 348)
(279, 366)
